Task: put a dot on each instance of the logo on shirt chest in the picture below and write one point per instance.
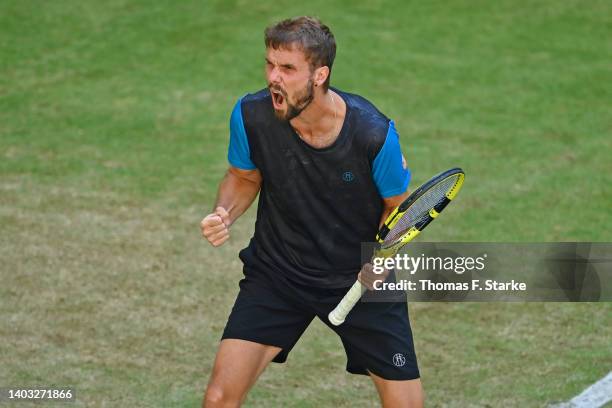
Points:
(348, 176)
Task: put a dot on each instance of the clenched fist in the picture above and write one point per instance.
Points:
(215, 226)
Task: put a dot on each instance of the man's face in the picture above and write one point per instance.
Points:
(290, 81)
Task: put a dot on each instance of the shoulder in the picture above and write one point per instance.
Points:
(263, 95)
(361, 105)
(254, 110)
(370, 126)
(255, 102)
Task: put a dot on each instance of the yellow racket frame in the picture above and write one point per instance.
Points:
(412, 233)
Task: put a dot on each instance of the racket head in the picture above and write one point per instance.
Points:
(418, 210)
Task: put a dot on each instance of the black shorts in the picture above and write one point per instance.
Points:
(275, 311)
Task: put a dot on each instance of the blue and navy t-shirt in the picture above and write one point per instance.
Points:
(316, 206)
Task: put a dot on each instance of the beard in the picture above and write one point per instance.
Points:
(303, 98)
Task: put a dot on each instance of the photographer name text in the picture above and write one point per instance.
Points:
(490, 285)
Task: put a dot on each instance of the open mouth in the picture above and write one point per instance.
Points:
(277, 98)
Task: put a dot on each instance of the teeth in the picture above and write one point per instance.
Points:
(277, 97)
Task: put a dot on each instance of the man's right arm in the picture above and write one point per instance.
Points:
(236, 193)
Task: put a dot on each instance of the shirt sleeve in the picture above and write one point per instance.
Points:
(388, 172)
(239, 153)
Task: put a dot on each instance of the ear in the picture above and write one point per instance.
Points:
(321, 75)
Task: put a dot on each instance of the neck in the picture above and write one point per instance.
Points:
(319, 124)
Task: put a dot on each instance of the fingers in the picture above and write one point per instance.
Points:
(225, 217)
(214, 229)
(211, 221)
(368, 277)
(219, 239)
(366, 281)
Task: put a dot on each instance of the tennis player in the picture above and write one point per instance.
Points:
(328, 169)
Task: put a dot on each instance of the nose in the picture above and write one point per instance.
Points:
(274, 75)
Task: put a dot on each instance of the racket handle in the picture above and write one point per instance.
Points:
(337, 316)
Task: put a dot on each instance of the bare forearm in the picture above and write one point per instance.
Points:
(237, 191)
(390, 204)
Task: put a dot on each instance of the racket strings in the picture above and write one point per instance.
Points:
(419, 210)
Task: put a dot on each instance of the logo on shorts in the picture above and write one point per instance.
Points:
(348, 176)
(399, 360)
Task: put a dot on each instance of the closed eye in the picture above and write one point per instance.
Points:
(284, 67)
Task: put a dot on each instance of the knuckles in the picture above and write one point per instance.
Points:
(211, 231)
(220, 241)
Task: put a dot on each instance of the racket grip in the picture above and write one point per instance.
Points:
(337, 316)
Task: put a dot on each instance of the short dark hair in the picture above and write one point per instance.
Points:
(314, 38)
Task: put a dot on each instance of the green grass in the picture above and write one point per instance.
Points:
(113, 134)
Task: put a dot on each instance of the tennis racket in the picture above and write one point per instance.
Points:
(403, 225)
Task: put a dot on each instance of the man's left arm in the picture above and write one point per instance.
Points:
(391, 175)
(390, 204)
(366, 275)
